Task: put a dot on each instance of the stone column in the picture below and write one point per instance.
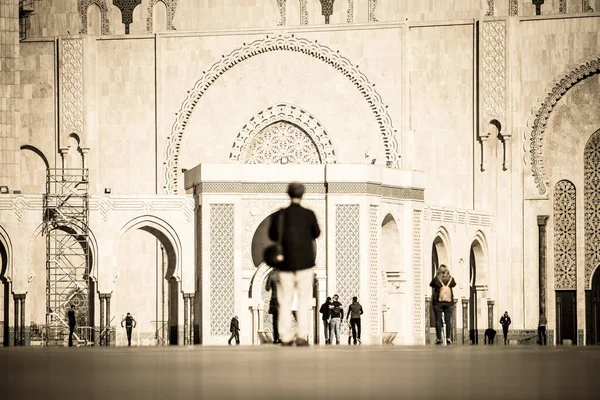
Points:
(465, 320)
(16, 325)
(101, 320)
(454, 334)
(490, 304)
(507, 153)
(541, 221)
(191, 319)
(185, 319)
(108, 330)
(427, 318)
(22, 327)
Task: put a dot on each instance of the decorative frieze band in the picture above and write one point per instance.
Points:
(319, 188)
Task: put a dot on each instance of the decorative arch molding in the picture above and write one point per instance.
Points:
(284, 113)
(38, 152)
(257, 283)
(82, 8)
(534, 136)
(171, 6)
(167, 236)
(261, 46)
(6, 268)
(443, 235)
(591, 195)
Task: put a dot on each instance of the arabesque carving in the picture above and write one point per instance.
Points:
(171, 8)
(82, 9)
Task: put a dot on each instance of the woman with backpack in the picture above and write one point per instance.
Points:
(443, 302)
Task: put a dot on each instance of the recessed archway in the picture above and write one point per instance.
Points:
(592, 309)
(5, 259)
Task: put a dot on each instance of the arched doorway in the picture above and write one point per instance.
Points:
(592, 310)
(439, 256)
(473, 335)
(4, 294)
(151, 294)
(395, 298)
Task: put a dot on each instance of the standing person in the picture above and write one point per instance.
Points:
(542, 328)
(129, 325)
(71, 315)
(505, 322)
(355, 310)
(271, 286)
(325, 317)
(234, 328)
(443, 302)
(299, 230)
(336, 314)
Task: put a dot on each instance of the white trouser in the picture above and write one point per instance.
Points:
(301, 282)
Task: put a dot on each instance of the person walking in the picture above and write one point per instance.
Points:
(129, 325)
(234, 328)
(72, 323)
(542, 328)
(271, 286)
(505, 322)
(324, 310)
(355, 310)
(299, 230)
(336, 314)
(443, 302)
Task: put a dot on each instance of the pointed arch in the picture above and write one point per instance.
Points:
(82, 8)
(261, 46)
(6, 256)
(591, 195)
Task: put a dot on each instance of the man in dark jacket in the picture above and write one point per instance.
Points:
(271, 286)
(71, 315)
(234, 328)
(129, 325)
(336, 315)
(299, 231)
(326, 325)
(505, 322)
(355, 310)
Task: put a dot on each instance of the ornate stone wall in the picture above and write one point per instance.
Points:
(565, 245)
(222, 273)
(493, 71)
(418, 298)
(82, 8)
(171, 8)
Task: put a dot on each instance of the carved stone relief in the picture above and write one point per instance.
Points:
(307, 132)
(565, 246)
(418, 298)
(303, 13)
(513, 8)
(534, 137)
(127, 7)
(82, 8)
(494, 71)
(350, 13)
(71, 88)
(347, 253)
(278, 43)
(281, 4)
(374, 275)
(372, 9)
(587, 7)
(282, 142)
(490, 10)
(171, 8)
(592, 206)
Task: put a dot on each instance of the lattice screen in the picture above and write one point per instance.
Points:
(221, 268)
(374, 270)
(418, 300)
(565, 247)
(347, 254)
(592, 205)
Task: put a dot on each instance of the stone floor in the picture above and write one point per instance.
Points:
(365, 372)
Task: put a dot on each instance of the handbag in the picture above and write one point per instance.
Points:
(273, 254)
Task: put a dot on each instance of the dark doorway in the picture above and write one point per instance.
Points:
(4, 286)
(473, 335)
(566, 316)
(434, 266)
(592, 311)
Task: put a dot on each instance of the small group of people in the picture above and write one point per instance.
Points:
(333, 315)
(128, 320)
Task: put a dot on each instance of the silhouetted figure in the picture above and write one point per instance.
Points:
(271, 286)
(72, 322)
(299, 228)
(443, 302)
(325, 317)
(355, 310)
(505, 322)
(489, 336)
(234, 328)
(336, 315)
(542, 328)
(129, 325)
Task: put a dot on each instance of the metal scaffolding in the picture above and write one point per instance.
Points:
(66, 215)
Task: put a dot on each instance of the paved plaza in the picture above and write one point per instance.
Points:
(366, 372)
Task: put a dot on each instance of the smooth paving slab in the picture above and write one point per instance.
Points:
(261, 372)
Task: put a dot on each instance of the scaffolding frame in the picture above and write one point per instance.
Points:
(66, 218)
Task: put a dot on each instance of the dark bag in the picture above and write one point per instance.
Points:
(273, 254)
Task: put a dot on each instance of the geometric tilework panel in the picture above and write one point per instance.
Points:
(592, 205)
(373, 270)
(494, 70)
(279, 140)
(417, 276)
(71, 80)
(347, 253)
(221, 268)
(565, 254)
